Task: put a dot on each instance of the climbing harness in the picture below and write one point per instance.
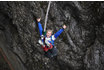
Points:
(46, 17)
(46, 47)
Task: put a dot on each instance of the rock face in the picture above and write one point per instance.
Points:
(80, 47)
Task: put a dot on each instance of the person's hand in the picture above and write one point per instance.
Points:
(38, 19)
(64, 26)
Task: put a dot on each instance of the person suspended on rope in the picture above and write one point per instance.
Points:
(47, 40)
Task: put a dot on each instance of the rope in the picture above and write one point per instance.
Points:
(46, 17)
(6, 59)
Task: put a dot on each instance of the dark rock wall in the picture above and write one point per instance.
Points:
(80, 47)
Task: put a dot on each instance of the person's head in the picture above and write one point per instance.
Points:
(49, 33)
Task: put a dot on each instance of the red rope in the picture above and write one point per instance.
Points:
(6, 59)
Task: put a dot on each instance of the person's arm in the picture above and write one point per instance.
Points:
(40, 26)
(60, 31)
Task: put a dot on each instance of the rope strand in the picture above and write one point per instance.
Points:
(46, 17)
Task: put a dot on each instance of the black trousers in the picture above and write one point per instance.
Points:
(51, 52)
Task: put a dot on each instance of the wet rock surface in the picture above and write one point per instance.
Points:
(80, 47)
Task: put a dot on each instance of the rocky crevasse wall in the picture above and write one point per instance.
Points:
(80, 47)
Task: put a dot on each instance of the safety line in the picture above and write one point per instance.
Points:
(46, 17)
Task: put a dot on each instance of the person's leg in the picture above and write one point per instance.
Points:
(51, 53)
(54, 51)
(48, 54)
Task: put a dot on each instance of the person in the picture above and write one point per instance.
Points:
(47, 41)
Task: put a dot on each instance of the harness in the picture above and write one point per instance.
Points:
(46, 48)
